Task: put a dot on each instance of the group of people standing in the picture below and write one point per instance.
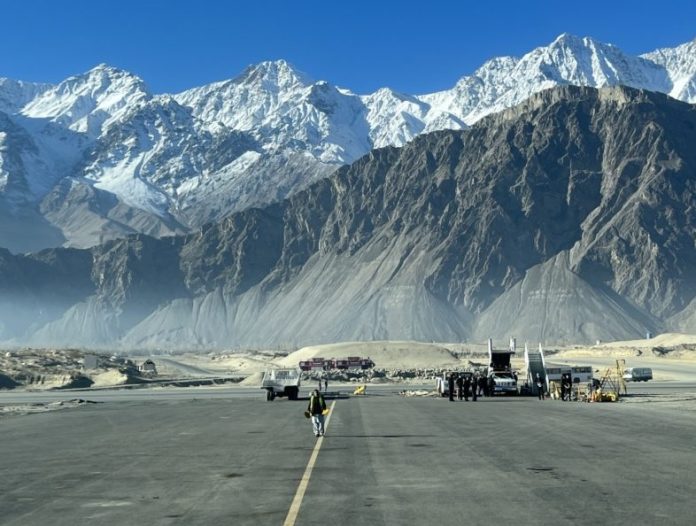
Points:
(465, 385)
(566, 387)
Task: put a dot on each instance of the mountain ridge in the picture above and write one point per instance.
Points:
(258, 137)
(577, 193)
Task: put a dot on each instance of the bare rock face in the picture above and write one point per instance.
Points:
(552, 303)
(88, 215)
(568, 218)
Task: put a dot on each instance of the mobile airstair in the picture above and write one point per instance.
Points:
(534, 360)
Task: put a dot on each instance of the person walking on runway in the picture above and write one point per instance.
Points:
(316, 409)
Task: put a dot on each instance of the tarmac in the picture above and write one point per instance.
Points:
(385, 459)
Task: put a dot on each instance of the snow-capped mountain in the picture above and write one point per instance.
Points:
(680, 64)
(85, 103)
(15, 94)
(504, 82)
(285, 109)
(87, 150)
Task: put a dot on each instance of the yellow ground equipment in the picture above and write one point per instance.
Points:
(612, 385)
(360, 390)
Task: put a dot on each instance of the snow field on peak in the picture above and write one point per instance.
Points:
(122, 179)
(14, 94)
(228, 173)
(85, 103)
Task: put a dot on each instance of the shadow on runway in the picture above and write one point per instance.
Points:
(327, 396)
(381, 436)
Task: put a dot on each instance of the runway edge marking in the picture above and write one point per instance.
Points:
(304, 482)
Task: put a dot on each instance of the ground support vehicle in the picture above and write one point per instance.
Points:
(637, 374)
(281, 382)
(326, 364)
(500, 374)
(536, 370)
(504, 382)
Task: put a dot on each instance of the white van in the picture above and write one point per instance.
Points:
(638, 374)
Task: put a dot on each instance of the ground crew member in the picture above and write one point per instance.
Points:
(482, 386)
(450, 386)
(540, 386)
(460, 386)
(474, 387)
(316, 409)
(566, 388)
(467, 386)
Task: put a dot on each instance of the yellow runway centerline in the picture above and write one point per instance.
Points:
(304, 482)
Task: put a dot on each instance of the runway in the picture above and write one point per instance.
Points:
(144, 394)
(385, 460)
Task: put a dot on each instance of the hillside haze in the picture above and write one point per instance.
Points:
(569, 217)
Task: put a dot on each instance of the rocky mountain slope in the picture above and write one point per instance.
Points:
(99, 156)
(567, 218)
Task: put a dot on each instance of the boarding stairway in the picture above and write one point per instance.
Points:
(534, 360)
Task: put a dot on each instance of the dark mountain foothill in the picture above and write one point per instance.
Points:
(568, 218)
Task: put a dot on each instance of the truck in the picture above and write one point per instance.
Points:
(504, 382)
(637, 374)
(315, 364)
(357, 362)
(281, 382)
(500, 374)
(325, 364)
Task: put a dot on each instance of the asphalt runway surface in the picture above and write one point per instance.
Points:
(144, 394)
(385, 460)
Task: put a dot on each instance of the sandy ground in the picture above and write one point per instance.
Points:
(110, 377)
(385, 354)
(242, 362)
(671, 356)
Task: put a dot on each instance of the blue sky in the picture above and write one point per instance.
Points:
(414, 47)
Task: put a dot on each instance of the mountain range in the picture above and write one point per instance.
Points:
(99, 156)
(568, 217)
